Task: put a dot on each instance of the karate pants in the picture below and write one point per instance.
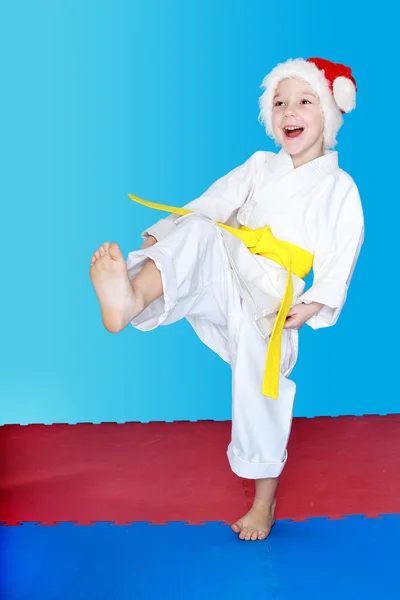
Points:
(200, 285)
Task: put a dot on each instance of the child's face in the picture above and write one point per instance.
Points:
(296, 105)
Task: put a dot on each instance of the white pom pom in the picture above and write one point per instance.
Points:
(344, 92)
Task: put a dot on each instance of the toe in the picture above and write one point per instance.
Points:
(115, 252)
(97, 254)
(262, 535)
(254, 536)
(106, 246)
(243, 533)
(237, 527)
(102, 250)
(248, 535)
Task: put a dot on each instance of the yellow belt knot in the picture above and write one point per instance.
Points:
(294, 259)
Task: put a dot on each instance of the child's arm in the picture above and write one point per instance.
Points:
(221, 200)
(149, 241)
(339, 240)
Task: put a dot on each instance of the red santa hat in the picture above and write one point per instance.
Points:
(333, 83)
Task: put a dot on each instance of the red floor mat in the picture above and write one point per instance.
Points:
(178, 471)
(118, 472)
(340, 466)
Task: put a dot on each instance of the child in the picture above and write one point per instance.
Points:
(234, 266)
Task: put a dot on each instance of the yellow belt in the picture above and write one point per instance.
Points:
(293, 258)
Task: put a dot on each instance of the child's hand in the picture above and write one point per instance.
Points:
(300, 313)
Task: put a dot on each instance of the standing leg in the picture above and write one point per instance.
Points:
(260, 428)
(258, 522)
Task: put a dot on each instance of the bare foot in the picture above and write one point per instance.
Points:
(257, 523)
(109, 275)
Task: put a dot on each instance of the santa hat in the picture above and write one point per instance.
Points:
(333, 83)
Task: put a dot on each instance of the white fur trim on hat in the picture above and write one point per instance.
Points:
(307, 71)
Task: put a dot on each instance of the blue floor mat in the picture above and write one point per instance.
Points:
(354, 558)
(160, 562)
(350, 559)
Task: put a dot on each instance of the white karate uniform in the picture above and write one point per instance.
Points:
(231, 296)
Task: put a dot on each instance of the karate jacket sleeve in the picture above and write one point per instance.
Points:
(221, 200)
(340, 235)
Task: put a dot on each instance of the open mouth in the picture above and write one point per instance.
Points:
(293, 132)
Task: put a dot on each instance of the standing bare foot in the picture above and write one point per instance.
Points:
(118, 302)
(257, 523)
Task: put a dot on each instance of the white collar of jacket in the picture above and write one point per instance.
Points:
(283, 163)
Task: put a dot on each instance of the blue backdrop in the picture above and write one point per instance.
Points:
(101, 98)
